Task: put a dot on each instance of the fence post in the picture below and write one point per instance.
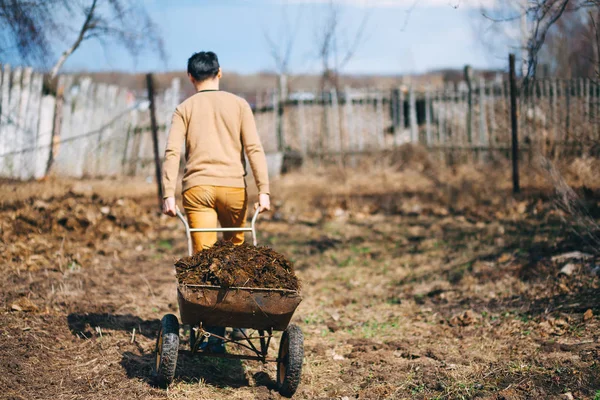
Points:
(514, 125)
(414, 132)
(157, 164)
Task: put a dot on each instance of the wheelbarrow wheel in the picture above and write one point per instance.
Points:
(167, 346)
(289, 362)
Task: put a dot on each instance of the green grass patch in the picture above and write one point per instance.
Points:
(165, 244)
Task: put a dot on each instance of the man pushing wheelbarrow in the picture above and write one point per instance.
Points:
(218, 128)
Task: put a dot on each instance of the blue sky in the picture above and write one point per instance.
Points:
(434, 34)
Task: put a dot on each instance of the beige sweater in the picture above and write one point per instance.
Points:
(217, 128)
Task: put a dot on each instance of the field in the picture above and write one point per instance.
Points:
(418, 283)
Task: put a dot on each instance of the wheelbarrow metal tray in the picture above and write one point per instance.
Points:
(254, 308)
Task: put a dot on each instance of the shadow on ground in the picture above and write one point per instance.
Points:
(86, 324)
(218, 372)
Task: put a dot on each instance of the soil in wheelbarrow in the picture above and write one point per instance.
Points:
(227, 265)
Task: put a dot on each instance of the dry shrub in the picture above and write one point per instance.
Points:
(581, 172)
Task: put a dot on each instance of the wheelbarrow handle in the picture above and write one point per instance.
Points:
(188, 230)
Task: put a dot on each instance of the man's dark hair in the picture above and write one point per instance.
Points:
(203, 65)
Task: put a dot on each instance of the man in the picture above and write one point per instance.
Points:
(217, 128)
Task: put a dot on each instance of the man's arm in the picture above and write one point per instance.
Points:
(256, 155)
(171, 163)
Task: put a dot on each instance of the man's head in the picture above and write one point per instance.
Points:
(203, 66)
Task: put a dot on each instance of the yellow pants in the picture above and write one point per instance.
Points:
(205, 205)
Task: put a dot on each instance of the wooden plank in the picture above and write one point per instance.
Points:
(428, 138)
(31, 125)
(74, 137)
(394, 112)
(441, 116)
(4, 115)
(334, 115)
(22, 138)
(87, 143)
(399, 136)
(462, 110)
(44, 137)
(112, 139)
(98, 114)
(414, 131)
(302, 128)
(362, 132)
(546, 101)
(450, 93)
(62, 128)
(12, 141)
(483, 130)
(568, 91)
(553, 117)
(505, 113)
(492, 107)
(349, 118)
(597, 111)
(379, 130)
(588, 123)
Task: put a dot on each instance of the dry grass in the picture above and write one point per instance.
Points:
(417, 283)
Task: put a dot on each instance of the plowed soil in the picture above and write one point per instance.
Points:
(417, 284)
(245, 265)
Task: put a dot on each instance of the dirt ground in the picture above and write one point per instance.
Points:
(417, 284)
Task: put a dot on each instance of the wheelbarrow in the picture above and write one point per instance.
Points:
(261, 311)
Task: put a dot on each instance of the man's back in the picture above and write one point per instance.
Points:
(217, 127)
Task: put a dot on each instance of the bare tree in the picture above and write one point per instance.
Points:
(536, 19)
(36, 28)
(281, 47)
(335, 46)
(571, 48)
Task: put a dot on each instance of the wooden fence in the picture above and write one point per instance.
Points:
(86, 130)
(91, 130)
(556, 117)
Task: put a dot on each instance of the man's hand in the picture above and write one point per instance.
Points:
(264, 203)
(169, 207)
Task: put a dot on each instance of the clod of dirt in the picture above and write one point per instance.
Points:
(465, 319)
(227, 265)
(23, 304)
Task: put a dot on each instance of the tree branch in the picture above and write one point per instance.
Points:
(80, 38)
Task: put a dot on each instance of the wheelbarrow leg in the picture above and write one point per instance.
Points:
(263, 344)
